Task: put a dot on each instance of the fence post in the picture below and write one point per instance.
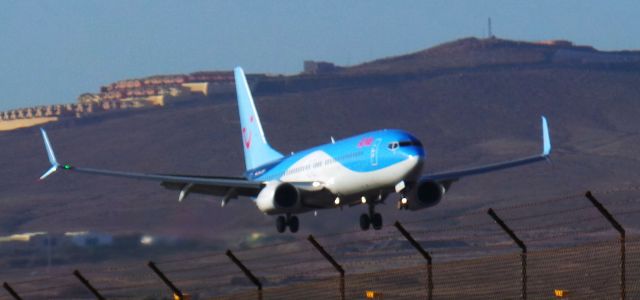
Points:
(523, 247)
(246, 272)
(424, 253)
(88, 285)
(333, 262)
(620, 229)
(11, 291)
(166, 280)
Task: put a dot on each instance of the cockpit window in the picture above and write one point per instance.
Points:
(410, 143)
(407, 143)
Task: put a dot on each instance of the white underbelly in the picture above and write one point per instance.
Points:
(340, 180)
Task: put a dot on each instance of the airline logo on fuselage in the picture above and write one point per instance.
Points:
(365, 142)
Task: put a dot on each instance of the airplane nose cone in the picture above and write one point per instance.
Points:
(417, 152)
(413, 163)
(415, 156)
(415, 159)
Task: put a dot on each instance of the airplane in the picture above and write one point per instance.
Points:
(360, 170)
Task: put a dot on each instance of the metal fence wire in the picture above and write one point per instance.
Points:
(574, 254)
(583, 272)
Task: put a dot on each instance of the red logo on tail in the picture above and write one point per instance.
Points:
(246, 137)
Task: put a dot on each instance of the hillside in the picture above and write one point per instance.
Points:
(470, 102)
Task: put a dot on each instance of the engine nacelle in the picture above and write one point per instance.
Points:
(278, 197)
(425, 194)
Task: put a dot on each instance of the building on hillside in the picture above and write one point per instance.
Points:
(557, 43)
(159, 90)
(39, 115)
(127, 94)
(319, 67)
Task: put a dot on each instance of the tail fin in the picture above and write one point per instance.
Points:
(257, 150)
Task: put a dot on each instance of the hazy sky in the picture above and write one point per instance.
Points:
(52, 51)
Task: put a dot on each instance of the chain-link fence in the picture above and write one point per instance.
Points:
(571, 250)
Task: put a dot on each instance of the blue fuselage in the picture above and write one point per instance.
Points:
(365, 153)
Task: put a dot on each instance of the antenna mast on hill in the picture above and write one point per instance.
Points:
(490, 29)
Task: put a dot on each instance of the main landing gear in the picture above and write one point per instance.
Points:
(373, 218)
(290, 221)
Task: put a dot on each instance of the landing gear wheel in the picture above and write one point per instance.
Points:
(281, 224)
(294, 224)
(376, 221)
(365, 222)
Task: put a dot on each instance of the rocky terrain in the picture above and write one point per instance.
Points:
(470, 102)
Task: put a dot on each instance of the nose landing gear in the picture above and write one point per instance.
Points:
(282, 222)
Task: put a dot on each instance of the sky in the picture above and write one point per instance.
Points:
(52, 51)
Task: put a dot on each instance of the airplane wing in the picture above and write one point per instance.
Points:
(229, 187)
(454, 175)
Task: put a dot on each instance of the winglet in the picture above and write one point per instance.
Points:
(546, 150)
(52, 156)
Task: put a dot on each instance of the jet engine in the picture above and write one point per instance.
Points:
(278, 197)
(425, 194)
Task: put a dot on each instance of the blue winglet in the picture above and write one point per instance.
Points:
(52, 156)
(546, 150)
